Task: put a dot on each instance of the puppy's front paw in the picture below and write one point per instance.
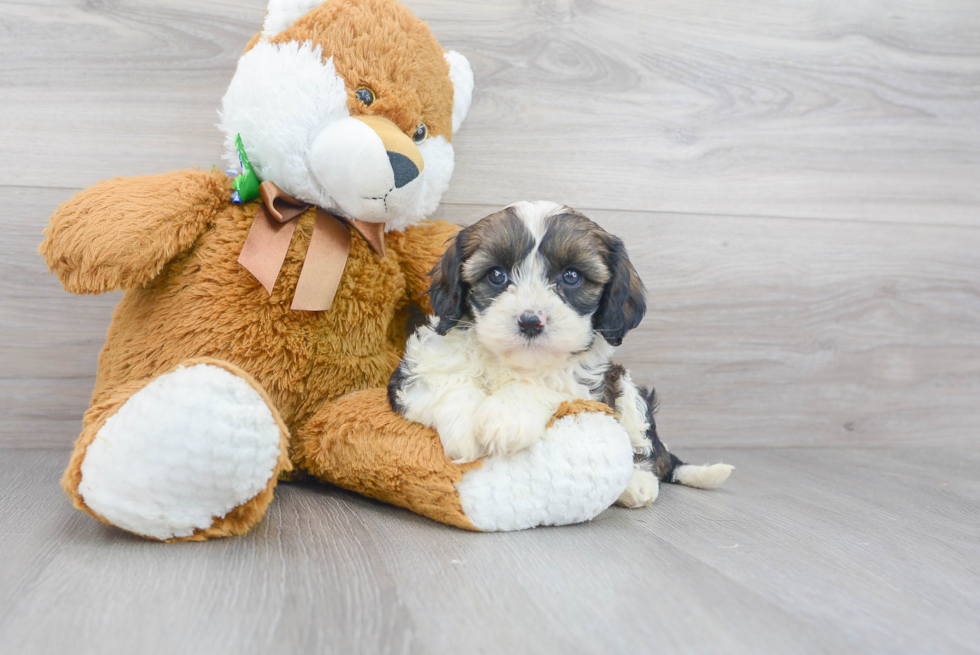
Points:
(506, 426)
(453, 419)
(460, 443)
(642, 490)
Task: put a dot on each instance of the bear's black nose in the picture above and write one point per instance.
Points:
(530, 324)
(404, 168)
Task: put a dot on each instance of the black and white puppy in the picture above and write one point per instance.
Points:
(529, 304)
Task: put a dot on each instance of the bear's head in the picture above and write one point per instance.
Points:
(349, 105)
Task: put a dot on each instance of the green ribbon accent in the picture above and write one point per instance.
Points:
(246, 184)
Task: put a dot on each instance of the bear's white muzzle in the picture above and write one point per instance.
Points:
(370, 167)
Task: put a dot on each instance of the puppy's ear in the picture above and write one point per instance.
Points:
(623, 302)
(447, 291)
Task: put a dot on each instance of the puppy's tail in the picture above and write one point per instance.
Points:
(705, 476)
(668, 466)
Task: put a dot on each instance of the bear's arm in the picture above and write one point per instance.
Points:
(120, 233)
(420, 248)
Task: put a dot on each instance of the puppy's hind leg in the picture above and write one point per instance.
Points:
(643, 489)
(669, 468)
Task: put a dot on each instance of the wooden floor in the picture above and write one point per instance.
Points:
(799, 186)
(822, 550)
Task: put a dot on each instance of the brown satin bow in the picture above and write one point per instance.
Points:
(268, 242)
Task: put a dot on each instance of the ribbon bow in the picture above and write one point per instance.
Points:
(268, 242)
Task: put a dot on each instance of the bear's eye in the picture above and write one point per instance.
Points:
(571, 277)
(421, 133)
(497, 277)
(365, 95)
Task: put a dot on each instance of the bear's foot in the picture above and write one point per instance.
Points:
(579, 467)
(576, 470)
(193, 454)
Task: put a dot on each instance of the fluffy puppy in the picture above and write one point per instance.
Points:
(529, 305)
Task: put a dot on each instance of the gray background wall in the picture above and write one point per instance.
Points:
(799, 184)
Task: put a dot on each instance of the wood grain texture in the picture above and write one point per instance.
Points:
(759, 331)
(797, 185)
(805, 551)
(856, 110)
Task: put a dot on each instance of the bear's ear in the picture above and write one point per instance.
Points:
(462, 77)
(283, 13)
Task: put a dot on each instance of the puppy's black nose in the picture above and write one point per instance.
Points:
(531, 324)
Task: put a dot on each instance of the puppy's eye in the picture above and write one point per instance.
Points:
(421, 133)
(365, 95)
(571, 277)
(497, 277)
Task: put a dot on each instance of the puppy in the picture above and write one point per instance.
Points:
(529, 305)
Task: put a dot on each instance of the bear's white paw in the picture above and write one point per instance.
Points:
(576, 470)
(187, 448)
(702, 477)
(643, 489)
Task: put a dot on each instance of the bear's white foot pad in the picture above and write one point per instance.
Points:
(575, 471)
(187, 448)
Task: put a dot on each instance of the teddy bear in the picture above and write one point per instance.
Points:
(265, 310)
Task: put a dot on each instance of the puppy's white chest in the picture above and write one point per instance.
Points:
(554, 384)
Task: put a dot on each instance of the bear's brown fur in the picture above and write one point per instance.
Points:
(173, 241)
(395, 59)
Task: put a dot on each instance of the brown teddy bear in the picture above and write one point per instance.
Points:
(248, 324)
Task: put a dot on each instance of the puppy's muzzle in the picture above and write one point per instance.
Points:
(530, 324)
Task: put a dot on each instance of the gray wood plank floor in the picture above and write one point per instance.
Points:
(798, 186)
(806, 551)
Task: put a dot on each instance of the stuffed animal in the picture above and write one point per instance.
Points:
(265, 311)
